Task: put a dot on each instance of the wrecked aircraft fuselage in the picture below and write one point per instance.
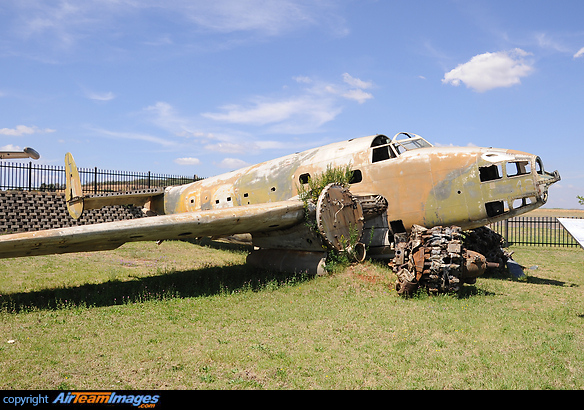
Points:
(397, 184)
(423, 185)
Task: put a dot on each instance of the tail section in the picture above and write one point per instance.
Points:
(73, 193)
(151, 199)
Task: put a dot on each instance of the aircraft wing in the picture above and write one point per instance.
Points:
(110, 235)
(575, 227)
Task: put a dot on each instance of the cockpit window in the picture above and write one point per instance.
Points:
(384, 148)
(539, 166)
(517, 168)
(380, 140)
(407, 145)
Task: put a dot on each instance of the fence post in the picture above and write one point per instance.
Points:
(30, 176)
(506, 230)
(95, 181)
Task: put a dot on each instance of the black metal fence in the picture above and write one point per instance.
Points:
(534, 231)
(34, 177)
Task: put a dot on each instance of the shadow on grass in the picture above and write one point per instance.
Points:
(209, 281)
(468, 291)
(528, 278)
(550, 282)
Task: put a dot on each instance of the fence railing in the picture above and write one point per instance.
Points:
(34, 177)
(534, 231)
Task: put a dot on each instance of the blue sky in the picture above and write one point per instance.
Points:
(203, 87)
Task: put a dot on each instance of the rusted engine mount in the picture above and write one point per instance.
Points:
(435, 259)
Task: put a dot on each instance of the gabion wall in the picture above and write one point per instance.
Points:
(24, 211)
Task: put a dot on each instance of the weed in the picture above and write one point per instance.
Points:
(309, 194)
(313, 188)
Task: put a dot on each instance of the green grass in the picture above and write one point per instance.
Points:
(183, 316)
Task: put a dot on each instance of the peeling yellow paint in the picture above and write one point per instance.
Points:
(426, 186)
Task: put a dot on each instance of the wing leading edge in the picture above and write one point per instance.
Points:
(111, 235)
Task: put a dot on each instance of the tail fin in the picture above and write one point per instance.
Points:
(73, 193)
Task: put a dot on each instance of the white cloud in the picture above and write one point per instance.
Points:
(66, 23)
(580, 53)
(358, 95)
(546, 42)
(100, 96)
(187, 161)
(277, 144)
(230, 148)
(310, 108)
(18, 131)
(23, 130)
(165, 116)
(232, 163)
(302, 79)
(163, 40)
(491, 70)
(10, 147)
(136, 136)
(270, 17)
(355, 82)
(315, 111)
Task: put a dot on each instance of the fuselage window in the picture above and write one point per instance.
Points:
(518, 168)
(381, 149)
(383, 153)
(303, 179)
(490, 173)
(356, 177)
(495, 208)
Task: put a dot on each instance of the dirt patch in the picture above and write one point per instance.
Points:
(374, 273)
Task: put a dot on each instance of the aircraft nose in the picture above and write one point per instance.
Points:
(549, 178)
(544, 180)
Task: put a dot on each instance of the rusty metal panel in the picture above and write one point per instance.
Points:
(339, 216)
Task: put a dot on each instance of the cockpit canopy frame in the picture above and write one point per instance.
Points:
(383, 148)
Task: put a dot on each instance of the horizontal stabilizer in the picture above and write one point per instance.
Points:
(136, 198)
